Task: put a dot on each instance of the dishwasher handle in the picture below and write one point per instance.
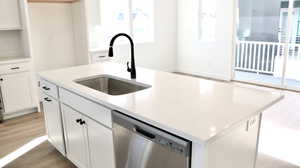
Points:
(144, 132)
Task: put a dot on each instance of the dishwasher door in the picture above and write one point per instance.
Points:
(138, 145)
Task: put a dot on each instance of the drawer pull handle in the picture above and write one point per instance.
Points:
(47, 99)
(15, 68)
(82, 122)
(46, 88)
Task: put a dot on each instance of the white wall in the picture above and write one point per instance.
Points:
(80, 31)
(53, 39)
(52, 35)
(209, 59)
(162, 53)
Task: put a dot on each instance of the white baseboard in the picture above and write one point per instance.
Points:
(19, 113)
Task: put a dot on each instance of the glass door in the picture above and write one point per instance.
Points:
(268, 43)
(260, 40)
(292, 62)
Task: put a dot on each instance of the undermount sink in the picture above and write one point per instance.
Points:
(112, 85)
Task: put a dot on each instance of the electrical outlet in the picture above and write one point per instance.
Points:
(251, 123)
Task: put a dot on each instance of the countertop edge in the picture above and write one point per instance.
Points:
(114, 107)
(225, 131)
(192, 138)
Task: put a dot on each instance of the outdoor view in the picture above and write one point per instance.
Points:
(134, 17)
(268, 43)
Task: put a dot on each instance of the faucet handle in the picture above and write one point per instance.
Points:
(128, 69)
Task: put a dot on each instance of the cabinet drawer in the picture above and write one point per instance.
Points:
(49, 88)
(10, 14)
(86, 107)
(53, 123)
(14, 68)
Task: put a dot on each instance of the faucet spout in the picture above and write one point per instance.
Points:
(130, 69)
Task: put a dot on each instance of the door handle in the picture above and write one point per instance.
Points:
(47, 99)
(82, 122)
(79, 120)
(15, 68)
(46, 88)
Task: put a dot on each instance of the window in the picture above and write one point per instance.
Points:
(142, 20)
(134, 17)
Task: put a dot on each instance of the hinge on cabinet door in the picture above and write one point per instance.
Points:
(251, 123)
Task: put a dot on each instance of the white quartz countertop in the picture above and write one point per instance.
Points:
(197, 109)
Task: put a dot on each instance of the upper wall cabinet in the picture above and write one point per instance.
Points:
(10, 15)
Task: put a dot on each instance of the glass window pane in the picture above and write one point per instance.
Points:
(142, 19)
(262, 31)
(114, 18)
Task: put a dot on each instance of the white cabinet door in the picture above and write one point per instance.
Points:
(53, 123)
(16, 92)
(100, 141)
(75, 137)
(9, 14)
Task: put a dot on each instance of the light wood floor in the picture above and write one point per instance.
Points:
(15, 133)
(279, 142)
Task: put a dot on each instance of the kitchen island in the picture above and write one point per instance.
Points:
(222, 120)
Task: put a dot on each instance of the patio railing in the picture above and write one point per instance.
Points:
(260, 57)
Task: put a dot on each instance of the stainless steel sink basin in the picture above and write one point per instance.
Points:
(112, 85)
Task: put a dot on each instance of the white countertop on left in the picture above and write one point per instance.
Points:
(197, 109)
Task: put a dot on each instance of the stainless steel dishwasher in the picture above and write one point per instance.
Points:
(139, 145)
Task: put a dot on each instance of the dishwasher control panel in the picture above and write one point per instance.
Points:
(171, 145)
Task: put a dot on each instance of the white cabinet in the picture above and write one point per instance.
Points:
(81, 126)
(16, 92)
(10, 14)
(100, 141)
(89, 143)
(53, 122)
(75, 137)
